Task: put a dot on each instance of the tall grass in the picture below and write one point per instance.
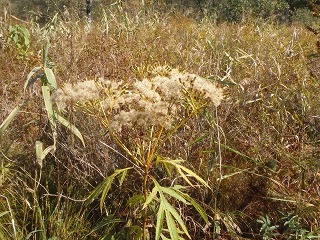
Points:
(259, 152)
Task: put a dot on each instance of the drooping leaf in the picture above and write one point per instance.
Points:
(174, 194)
(45, 52)
(4, 213)
(193, 202)
(50, 77)
(172, 226)
(122, 177)
(42, 153)
(176, 216)
(184, 176)
(150, 197)
(109, 220)
(48, 104)
(10, 118)
(70, 126)
(179, 167)
(33, 76)
(232, 174)
(104, 187)
(160, 218)
(136, 199)
(193, 174)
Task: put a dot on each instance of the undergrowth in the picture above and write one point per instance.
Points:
(248, 168)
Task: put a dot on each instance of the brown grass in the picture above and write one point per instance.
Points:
(269, 124)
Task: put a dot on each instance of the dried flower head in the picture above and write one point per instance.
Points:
(157, 101)
(79, 92)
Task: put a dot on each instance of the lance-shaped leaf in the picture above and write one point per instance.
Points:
(160, 218)
(172, 226)
(181, 169)
(50, 78)
(51, 114)
(170, 212)
(104, 187)
(70, 126)
(33, 76)
(42, 153)
(151, 196)
(192, 202)
(10, 118)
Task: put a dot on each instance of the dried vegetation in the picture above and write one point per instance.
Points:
(259, 151)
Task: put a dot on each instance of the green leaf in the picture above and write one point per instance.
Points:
(150, 197)
(184, 176)
(104, 187)
(239, 153)
(32, 77)
(160, 218)
(174, 194)
(109, 220)
(50, 77)
(70, 126)
(41, 154)
(179, 167)
(122, 177)
(172, 226)
(10, 118)
(193, 174)
(196, 206)
(48, 104)
(232, 174)
(176, 216)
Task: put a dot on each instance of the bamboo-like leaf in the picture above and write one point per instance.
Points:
(104, 187)
(50, 77)
(151, 197)
(232, 174)
(185, 169)
(168, 168)
(48, 104)
(39, 150)
(109, 220)
(239, 153)
(160, 218)
(193, 174)
(41, 154)
(33, 76)
(174, 194)
(70, 126)
(122, 177)
(199, 139)
(176, 216)
(172, 226)
(136, 199)
(196, 206)
(184, 176)
(9, 119)
(96, 192)
(163, 237)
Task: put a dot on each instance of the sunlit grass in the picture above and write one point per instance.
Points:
(268, 126)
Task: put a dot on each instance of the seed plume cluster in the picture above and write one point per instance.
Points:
(159, 100)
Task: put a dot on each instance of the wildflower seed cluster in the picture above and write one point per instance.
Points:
(164, 98)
